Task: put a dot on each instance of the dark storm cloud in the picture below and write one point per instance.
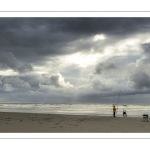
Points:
(51, 36)
(25, 68)
(25, 40)
(88, 26)
(8, 61)
(141, 80)
(146, 48)
(104, 67)
(140, 77)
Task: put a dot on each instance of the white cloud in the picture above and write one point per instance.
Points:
(7, 87)
(8, 72)
(57, 80)
(54, 79)
(102, 84)
(16, 81)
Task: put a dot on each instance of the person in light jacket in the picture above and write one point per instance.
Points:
(114, 111)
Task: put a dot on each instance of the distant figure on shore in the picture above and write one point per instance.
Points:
(124, 113)
(114, 111)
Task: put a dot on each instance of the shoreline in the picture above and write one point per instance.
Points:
(73, 114)
(16, 122)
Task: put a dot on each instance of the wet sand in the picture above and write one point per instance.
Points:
(55, 123)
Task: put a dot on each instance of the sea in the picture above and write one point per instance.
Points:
(132, 110)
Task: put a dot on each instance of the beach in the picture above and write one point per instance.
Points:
(58, 123)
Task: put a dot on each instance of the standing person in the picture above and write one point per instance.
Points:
(124, 113)
(114, 111)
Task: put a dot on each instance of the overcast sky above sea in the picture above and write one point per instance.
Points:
(74, 60)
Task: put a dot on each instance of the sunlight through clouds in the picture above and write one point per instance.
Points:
(8, 72)
(83, 60)
(99, 37)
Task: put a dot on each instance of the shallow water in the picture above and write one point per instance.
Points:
(133, 110)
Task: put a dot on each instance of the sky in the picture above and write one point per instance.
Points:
(75, 60)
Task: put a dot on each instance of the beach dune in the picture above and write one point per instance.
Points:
(56, 123)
